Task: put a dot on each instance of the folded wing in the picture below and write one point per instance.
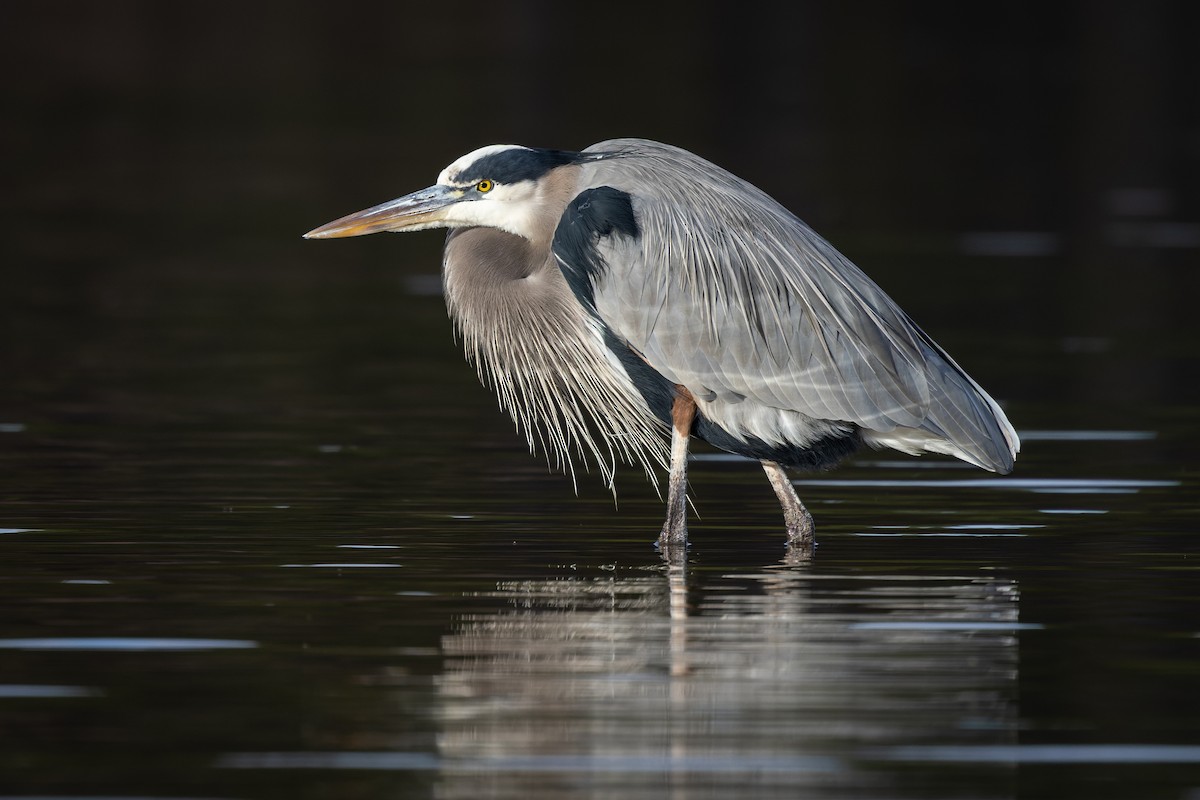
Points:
(724, 291)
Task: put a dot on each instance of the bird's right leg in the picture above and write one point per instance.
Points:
(683, 413)
(799, 522)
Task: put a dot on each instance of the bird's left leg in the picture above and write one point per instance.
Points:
(799, 522)
(683, 413)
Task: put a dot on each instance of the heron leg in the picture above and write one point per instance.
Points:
(799, 522)
(683, 412)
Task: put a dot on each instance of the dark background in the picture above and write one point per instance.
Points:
(1007, 172)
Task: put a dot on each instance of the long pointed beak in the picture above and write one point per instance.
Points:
(423, 209)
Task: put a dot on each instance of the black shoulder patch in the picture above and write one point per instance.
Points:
(518, 164)
(656, 390)
(594, 214)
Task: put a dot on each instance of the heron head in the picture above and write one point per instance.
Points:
(501, 186)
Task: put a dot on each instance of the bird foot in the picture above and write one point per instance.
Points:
(672, 553)
(801, 530)
(674, 534)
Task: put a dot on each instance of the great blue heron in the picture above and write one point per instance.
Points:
(633, 293)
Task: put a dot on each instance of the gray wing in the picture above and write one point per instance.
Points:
(724, 291)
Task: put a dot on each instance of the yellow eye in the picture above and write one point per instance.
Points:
(484, 186)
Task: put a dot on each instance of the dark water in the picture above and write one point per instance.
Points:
(262, 534)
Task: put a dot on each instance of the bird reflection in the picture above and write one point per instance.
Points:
(773, 680)
(676, 569)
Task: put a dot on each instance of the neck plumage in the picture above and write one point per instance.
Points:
(544, 355)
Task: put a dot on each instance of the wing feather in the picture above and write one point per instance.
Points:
(727, 293)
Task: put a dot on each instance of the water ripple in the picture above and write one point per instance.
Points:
(42, 691)
(124, 644)
(1047, 754)
(617, 763)
(1074, 485)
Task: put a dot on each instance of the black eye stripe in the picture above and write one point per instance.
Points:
(514, 166)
